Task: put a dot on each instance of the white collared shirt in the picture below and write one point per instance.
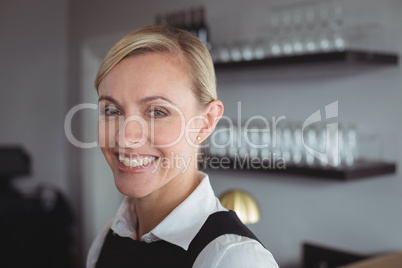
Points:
(182, 225)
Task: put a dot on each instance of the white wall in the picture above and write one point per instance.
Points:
(361, 216)
(100, 196)
(33, 71)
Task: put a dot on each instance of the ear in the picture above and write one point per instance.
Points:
(212, 114)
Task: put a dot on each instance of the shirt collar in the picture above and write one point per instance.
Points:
(125, 220)
(184, 222)
(181, 225)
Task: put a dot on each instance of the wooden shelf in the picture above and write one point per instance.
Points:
(360, 170)
(349, 57)
(348, 60)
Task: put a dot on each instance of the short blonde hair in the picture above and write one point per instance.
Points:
(166, 39)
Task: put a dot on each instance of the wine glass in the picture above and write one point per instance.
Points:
(224, 54)
(233, 149)
(297, 145)
(235, 52)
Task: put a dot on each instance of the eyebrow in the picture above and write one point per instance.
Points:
(142, 101)
(109, 99)
(154, 97)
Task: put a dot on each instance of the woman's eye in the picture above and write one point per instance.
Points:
(157, 113)
(109, 111)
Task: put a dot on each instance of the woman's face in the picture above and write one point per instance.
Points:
(147, 126)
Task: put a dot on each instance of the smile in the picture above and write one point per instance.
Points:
(138, 162)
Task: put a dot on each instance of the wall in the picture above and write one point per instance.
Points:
(98, 180)
(33, 71)
(361, 216)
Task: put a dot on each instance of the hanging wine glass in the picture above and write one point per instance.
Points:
(297, 155)
(275, 23)
(247, 51)
(235, 52)
(336, 25)
(312, 143)
(310, 24)
(254, 142)
(266, 140)
(287, 143)
(286, 33)
(296, 39)
(243, 150)
(259, 50)
(233, 149)
(224, 54)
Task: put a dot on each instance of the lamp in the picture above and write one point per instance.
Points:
(243, 204)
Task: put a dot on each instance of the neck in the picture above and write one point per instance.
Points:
(152, 209)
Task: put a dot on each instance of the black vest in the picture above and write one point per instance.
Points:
(124, 252)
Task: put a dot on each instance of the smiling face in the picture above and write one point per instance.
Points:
(148, 152)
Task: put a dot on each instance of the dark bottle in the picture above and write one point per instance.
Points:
(170, 19)
(174, 19)
(203, 30)
(181, 20)
(167, 19)
(158, 19)
(193, 28)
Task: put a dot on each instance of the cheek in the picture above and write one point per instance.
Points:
(172, 141)
(167, 134)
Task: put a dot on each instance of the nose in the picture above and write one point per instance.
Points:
(133, 132)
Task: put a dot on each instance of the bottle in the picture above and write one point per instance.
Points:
(168, 19)
(203, 30)
(174, 19)
(193, 28)
(181, 20)
(158, 19)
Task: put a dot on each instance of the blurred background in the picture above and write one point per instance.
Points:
(49, 54)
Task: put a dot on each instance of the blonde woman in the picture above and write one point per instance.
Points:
(157, 104)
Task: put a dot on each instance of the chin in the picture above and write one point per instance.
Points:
(137, 185)
(131, 189)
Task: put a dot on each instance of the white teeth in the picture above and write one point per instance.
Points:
(136, 162)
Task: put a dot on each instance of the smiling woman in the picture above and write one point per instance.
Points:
(157, 104)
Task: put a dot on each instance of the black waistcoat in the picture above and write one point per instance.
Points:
(124, 252)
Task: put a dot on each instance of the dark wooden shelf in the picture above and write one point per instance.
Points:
(360, 170)
(349, 57)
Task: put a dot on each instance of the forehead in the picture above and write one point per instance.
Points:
(148, 74)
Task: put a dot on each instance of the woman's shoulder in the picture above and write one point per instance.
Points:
(226, 242)
(231, 250)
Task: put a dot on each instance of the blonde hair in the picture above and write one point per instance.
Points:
(178, 43)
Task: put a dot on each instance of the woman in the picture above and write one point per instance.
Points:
(157, 104)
